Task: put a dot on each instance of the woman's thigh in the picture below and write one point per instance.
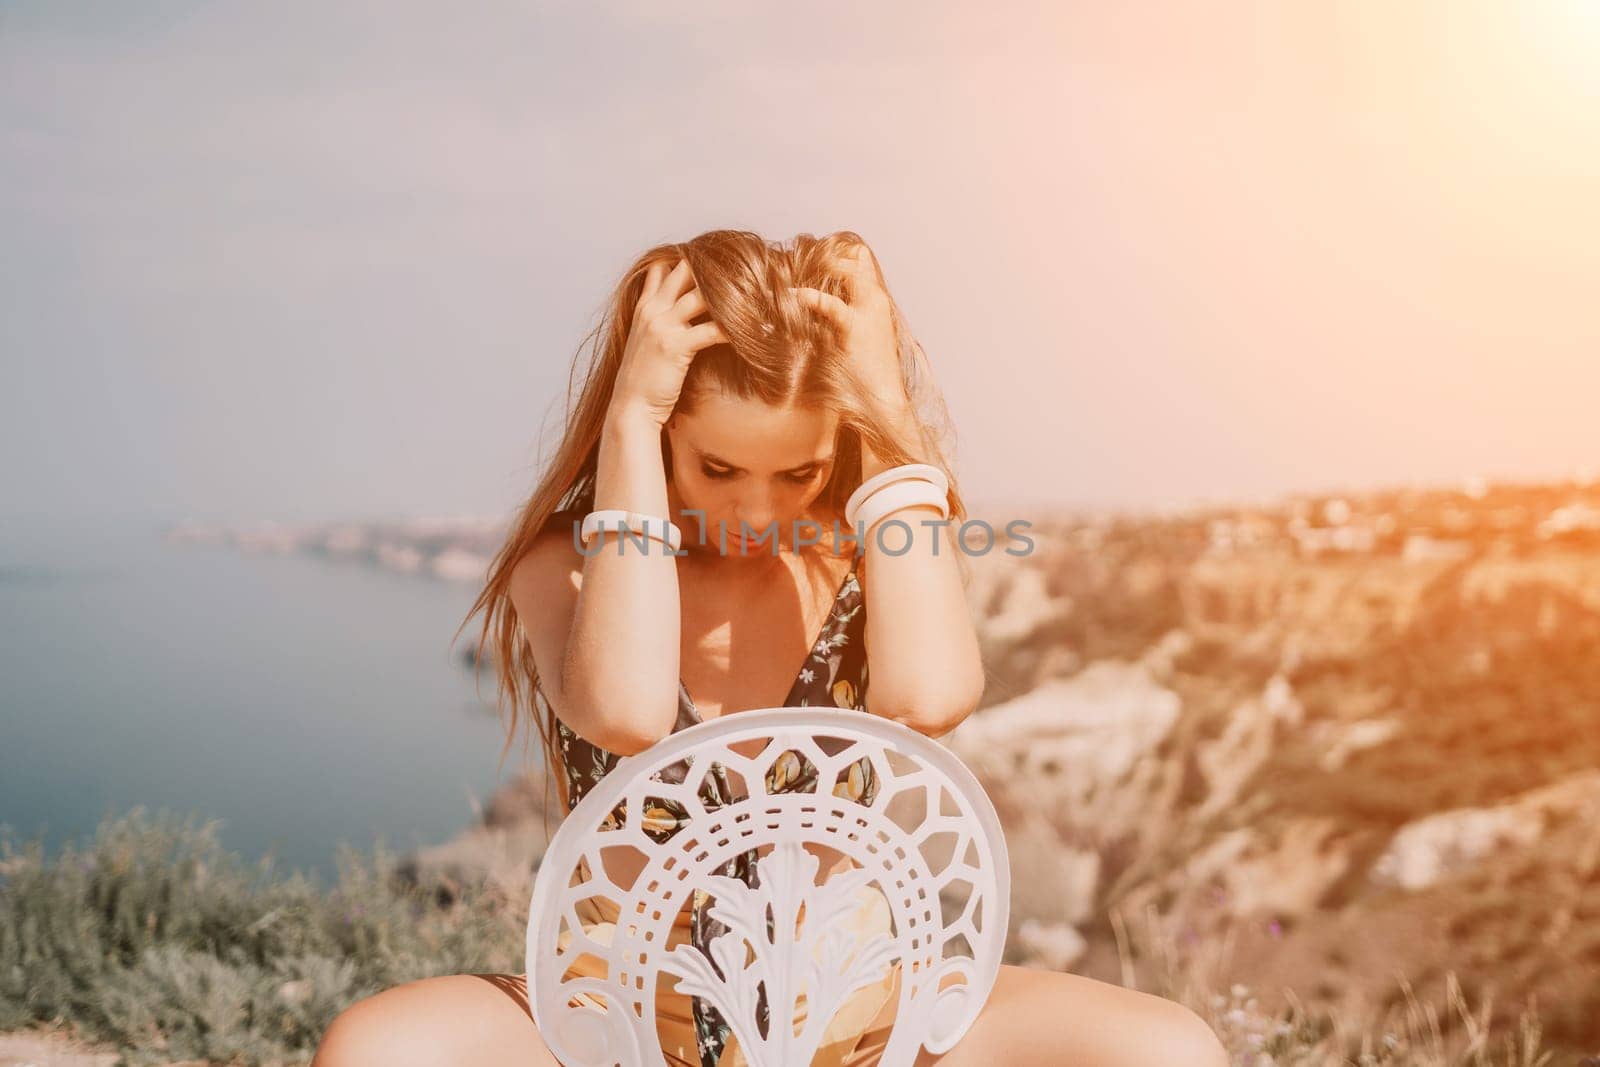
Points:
(1032, 1018)
(1038, 1018)
(458, 1019)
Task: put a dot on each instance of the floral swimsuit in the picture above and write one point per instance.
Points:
(834, 675)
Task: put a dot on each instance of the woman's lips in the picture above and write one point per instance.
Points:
(746, 545)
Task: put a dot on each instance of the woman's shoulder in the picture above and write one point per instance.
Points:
(551, 558)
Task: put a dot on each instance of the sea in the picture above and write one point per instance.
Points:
(298, 701)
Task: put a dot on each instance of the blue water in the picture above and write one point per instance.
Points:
(301, 701)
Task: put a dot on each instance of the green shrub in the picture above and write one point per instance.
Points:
(155, 940)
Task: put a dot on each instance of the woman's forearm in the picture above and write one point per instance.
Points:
(621, 667)
(922, 649)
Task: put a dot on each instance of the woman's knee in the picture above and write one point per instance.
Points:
(402, 1026)
(378, 1029)
(1177, 1034)
(435, 1022)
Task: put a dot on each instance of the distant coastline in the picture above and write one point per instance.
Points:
(1413, 523)
(455, 549)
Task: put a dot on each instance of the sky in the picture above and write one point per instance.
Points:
(296, 261)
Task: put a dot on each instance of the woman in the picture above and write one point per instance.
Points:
(744, 389)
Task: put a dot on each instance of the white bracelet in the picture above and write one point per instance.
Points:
(664, 530)
(902, 494)
(925, 471)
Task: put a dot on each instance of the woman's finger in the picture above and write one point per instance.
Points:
(704, 335)
(689, 304)
(675, 282)
(866, 277)
(652, 279)
(826, 303)
(869, 260)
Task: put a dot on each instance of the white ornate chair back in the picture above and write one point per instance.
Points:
(927, 838)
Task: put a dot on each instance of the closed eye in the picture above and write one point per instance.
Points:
(723, 473)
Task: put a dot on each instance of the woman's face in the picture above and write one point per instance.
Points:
(746, 461)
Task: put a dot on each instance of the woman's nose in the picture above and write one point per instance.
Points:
(757, 514)
(756, 507)
(755, 526)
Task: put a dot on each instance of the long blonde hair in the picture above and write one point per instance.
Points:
(779, 351)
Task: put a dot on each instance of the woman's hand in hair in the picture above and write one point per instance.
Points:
(661, 343)
(867, 323)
